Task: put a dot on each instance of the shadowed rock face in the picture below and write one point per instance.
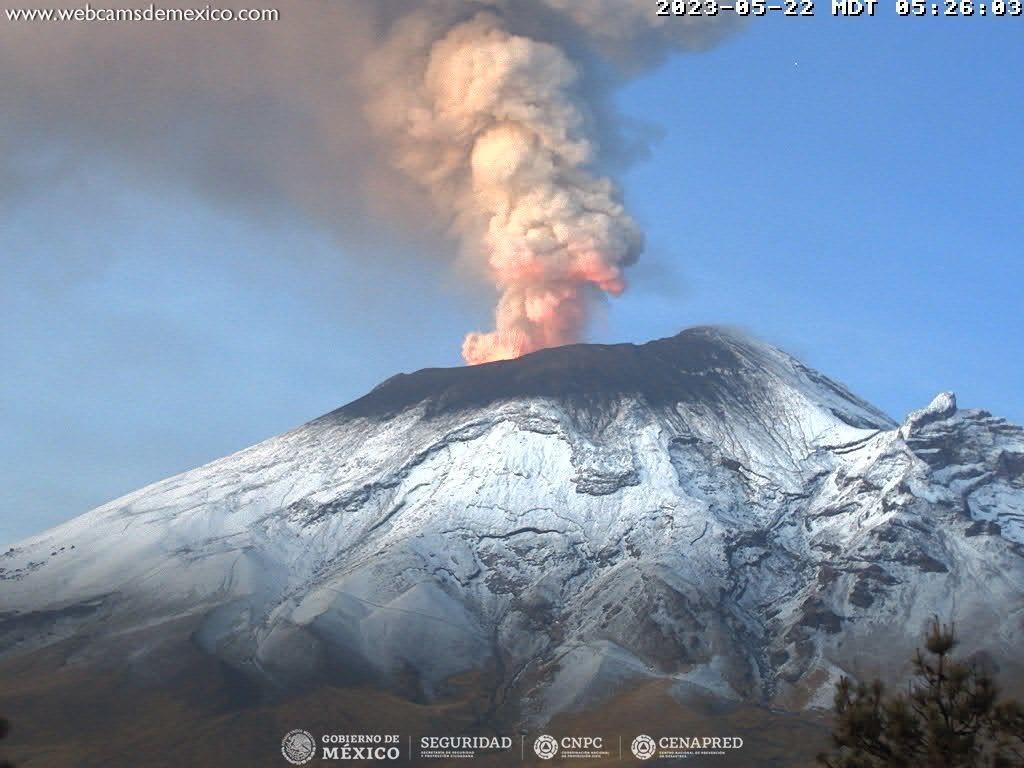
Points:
(705, 365)
(701, 511)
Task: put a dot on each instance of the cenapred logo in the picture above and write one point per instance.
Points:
(681, 747)
(298, 746)
(643, 747)
(546, 747)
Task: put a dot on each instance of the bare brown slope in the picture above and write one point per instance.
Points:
(67, 717)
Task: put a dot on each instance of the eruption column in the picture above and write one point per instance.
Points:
(498, 134)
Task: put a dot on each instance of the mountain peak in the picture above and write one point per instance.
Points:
(714, 366)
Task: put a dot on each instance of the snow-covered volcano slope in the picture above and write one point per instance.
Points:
(703, 508)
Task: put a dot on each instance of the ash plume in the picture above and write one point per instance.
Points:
(495, 110)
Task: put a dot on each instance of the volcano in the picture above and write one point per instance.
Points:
(698, 527)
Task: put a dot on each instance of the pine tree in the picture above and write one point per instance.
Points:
(950, 717)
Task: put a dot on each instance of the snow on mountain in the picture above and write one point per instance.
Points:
(703, 509)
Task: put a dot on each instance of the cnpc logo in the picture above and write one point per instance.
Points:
(546, 747)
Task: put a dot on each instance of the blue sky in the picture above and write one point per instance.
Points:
(849, 189)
